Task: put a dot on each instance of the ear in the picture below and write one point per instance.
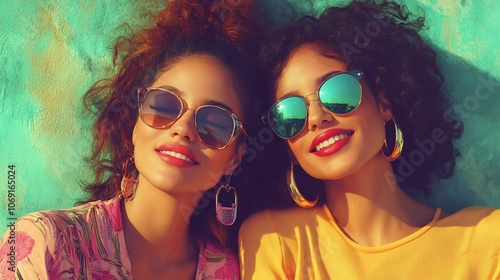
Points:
(384, 106)
(236, 159)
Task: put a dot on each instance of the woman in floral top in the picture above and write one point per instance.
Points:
(87, 242)
(169, 135)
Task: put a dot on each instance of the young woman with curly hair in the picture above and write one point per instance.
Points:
(171, 130)
(358, 98)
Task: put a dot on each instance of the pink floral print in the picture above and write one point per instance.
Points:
(87, 242)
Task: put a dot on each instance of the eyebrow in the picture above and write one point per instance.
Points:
(325, 76)
(205, 101)
(321, 79)
(172, 89)
(217, 103)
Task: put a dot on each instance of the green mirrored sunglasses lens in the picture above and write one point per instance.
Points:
(288, 117)
(341, 93)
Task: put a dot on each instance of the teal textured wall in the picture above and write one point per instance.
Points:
(52, 51)
(50, 54)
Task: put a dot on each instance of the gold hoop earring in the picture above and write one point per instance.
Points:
(129, 180)
(297, 196)
(226, 215)
(394, 153)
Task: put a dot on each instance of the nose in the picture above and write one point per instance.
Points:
(184, 126)
(318, 114)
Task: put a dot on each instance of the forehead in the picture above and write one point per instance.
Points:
(303, 70)
(200, 78)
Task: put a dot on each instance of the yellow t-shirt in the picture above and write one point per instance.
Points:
(308, 244)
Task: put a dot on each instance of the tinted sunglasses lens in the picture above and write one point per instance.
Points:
(160, 108)
(341, 93)
(287, 118)
(215, 126)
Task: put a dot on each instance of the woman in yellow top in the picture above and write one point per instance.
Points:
(365, 92)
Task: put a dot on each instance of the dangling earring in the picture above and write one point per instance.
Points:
(129, 180)
(394, 153)
(226, 215)
(299, 199)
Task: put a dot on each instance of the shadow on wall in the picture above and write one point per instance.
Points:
(475, 96)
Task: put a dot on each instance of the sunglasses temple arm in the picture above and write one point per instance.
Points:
(263, 118)
(139, 96)
(238, 124)
(244, 131)
(358, 74)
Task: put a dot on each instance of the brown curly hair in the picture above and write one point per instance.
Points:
(382, 39)
(226, 30)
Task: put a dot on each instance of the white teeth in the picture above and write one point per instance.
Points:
(330, 141)
(177, 155)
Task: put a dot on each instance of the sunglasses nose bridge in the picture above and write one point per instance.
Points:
(310, 96)
(314, 97)
(317, 114)
(189, 109)
(186, 114)
(184, 125)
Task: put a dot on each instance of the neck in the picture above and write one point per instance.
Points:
(371, 208)
(156, 225)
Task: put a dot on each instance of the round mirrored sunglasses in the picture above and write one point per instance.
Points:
(340, 93)
(216, 127)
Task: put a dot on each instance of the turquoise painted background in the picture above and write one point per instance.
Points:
(51, 51)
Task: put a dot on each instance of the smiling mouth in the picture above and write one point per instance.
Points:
(330, 141)
(177, 155)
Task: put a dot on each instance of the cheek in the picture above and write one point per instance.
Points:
(141, 138)
(142, 133)
(381, 135)
(134, 134)
(226, 157)
(220, 158)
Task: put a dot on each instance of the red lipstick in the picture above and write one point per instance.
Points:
(176, 155)
(330, 142)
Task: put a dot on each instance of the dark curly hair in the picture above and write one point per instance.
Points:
(382, 39)
(228, 31)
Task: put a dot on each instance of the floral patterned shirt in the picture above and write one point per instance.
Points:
(86, 242)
